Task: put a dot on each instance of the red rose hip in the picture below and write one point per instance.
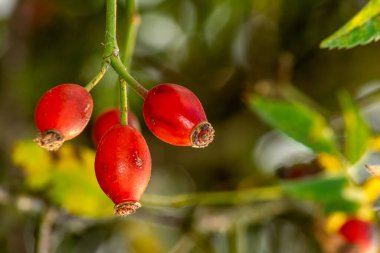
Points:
(358, 232)
(123, 167)
(61, 114)
(175, 115)
(107, 119)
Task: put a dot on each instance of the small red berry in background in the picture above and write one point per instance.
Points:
(107, 119)
(123, 167)
(359, 233)
(61, 114)
(175, 115)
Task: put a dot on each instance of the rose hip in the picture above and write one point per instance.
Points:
(61, 114)
(175, 115)
(358, 232)
(123, 167)
(107, 119)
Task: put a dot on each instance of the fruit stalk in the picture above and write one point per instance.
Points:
(126, 56)
(98, 77)
(119, 67)
(123, 102)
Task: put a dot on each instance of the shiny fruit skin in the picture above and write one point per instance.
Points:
(123, 164)
(107, 119)
(65, 109)
(172, 112)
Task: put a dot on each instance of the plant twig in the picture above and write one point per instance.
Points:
(119, 67)
(183, 245)
(214, 198)
(111, 50)
(132, 23)
(232, 235)
(99, 76)
(110, 46)
(44, 236)
(127, 52)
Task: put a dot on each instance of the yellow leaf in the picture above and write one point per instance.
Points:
(330, 163)
(34, 162)
(371, 189)
(335, 221)
(67, 177)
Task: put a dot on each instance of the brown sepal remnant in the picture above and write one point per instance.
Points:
(126, 208)
(202, 135)
(50, 140)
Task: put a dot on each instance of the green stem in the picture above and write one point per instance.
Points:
(123, 102)
(111, 48)
(183, 245)
(133, 21)
(232, 235)
(214, 198)
(98, 77)
(127, 51)
(119, 67)
(111, 51)
(241, 237)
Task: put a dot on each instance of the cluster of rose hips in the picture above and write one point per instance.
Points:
(123, 163)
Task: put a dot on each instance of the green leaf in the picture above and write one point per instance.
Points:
(363, 28)
(357, 133)
(66, 177)
(298, 122)
(326, 191)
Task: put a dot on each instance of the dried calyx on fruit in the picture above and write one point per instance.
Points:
(123, 167)
(61, 114)
(175, 115)
(107, 119)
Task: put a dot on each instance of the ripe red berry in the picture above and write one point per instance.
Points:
(107, 119)
(175, 115)
(61, 114)
(358, 232)
(123, 167)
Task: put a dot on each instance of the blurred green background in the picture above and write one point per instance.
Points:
(223, 50)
